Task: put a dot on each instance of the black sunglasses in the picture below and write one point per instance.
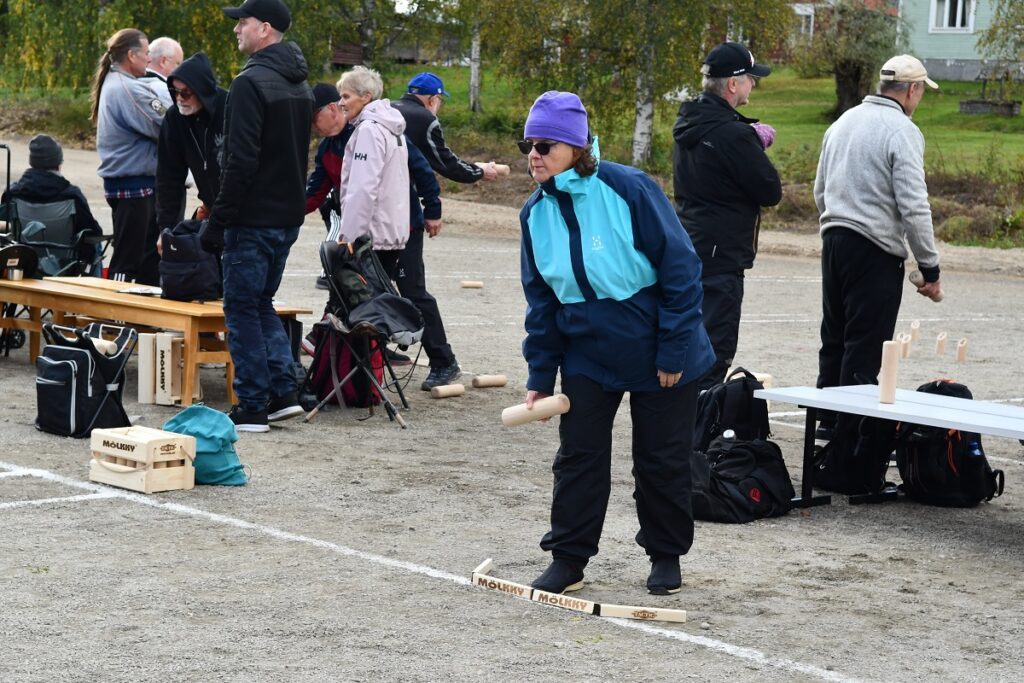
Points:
(183, 93)
(542, 147)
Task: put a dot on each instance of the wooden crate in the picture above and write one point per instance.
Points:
(142, 459)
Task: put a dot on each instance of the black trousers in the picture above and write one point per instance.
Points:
(861, 289)
(662, 441)
(412, 284)
(723, 300)
(134, 257)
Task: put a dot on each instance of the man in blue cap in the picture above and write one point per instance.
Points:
(419, 107)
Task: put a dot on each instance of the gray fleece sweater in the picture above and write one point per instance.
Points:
(128, 127)
(871, 180)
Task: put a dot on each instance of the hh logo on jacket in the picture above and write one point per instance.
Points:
(595, 243)
(359, 156)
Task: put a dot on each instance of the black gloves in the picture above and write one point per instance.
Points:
(211, 236)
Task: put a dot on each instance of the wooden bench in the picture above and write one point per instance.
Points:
(983, 417)
(103, 300)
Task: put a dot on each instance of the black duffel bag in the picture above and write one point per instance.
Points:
(187, 271)
(740, 481)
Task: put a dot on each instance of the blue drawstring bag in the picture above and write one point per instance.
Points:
(216, 461)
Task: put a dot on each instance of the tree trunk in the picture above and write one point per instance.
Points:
(852, 84)
(474, 69)
(644, 124)
(368, 31)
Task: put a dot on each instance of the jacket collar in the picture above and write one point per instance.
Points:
(570, 181)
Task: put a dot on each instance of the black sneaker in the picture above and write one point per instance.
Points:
(665, 578)
(398, 359)
(561, 576)
(438, 377)
(284, 407)
(249, 422)
(321, 283)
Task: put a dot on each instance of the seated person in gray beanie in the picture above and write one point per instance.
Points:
(42, 183)
(613, 295)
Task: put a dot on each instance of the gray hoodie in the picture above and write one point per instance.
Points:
(375, 178)
(127, 127)
(871, 180)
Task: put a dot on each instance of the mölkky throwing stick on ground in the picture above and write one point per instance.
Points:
(482, 579)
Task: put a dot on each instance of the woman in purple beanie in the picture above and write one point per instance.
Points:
(613, 289)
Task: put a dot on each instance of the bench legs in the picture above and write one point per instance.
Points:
(807, 498)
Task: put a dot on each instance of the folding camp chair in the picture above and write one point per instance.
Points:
(50, 230)
(364, 312)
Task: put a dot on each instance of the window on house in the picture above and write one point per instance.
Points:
(953, 15)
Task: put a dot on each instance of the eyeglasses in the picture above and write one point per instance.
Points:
(542, 147)
(182, 93)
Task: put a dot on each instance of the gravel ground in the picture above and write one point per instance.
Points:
(347, 556)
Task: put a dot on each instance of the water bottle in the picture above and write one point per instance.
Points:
(974, 450)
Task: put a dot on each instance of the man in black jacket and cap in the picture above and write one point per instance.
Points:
(722, 179)
(261, 205)
(191, 138)
(42, 183)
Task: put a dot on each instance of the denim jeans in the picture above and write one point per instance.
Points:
(253, 263)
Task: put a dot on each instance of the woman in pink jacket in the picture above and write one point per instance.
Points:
(374, 188)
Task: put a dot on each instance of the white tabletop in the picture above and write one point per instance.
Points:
(996, 419)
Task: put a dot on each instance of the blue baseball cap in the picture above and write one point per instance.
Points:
(426, 83)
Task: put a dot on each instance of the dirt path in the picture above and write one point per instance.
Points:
(347, 556)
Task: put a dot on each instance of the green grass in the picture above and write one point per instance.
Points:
(975, 163)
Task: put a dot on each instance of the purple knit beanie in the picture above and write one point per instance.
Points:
(558, 116)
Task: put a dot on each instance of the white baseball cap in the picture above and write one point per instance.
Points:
(906, 69)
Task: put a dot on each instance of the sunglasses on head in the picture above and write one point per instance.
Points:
(182, 93)
(542, 147)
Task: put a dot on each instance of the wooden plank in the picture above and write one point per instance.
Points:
(485, 568)
(563, 601)
(516, 590)
(641, 613)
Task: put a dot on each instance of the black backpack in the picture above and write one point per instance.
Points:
(187, 271)
(731, 405)
(855, 461)
(945, 467)
(740, 481)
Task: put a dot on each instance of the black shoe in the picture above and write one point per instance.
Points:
(249, 422)
(321, 282)
(284, 407)
(665, 578)
(561, 576)
(438, 377)
(398, 359)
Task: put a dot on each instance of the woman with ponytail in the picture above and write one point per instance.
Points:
(128, 116)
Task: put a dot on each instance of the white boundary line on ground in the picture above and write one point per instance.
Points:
(720, 646)
(45, 501)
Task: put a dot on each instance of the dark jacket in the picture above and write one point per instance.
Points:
(424, 192)
(44, 187)
(722, 179)
(190, 143)
(424, 130)
(326, 175)
(267, 121)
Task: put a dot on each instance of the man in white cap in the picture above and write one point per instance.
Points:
(870, 190)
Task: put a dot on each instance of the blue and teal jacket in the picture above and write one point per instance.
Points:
(612, 283)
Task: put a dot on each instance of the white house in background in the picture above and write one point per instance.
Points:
(944, 35)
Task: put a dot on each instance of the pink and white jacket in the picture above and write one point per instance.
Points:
(375, 179)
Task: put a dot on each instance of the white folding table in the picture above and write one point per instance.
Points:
(983, 417)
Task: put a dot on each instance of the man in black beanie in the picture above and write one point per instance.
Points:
(42, 183)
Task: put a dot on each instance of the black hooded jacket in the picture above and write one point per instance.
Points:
(45, 187)
(190, 143)
(722, 178)
(267, 122)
